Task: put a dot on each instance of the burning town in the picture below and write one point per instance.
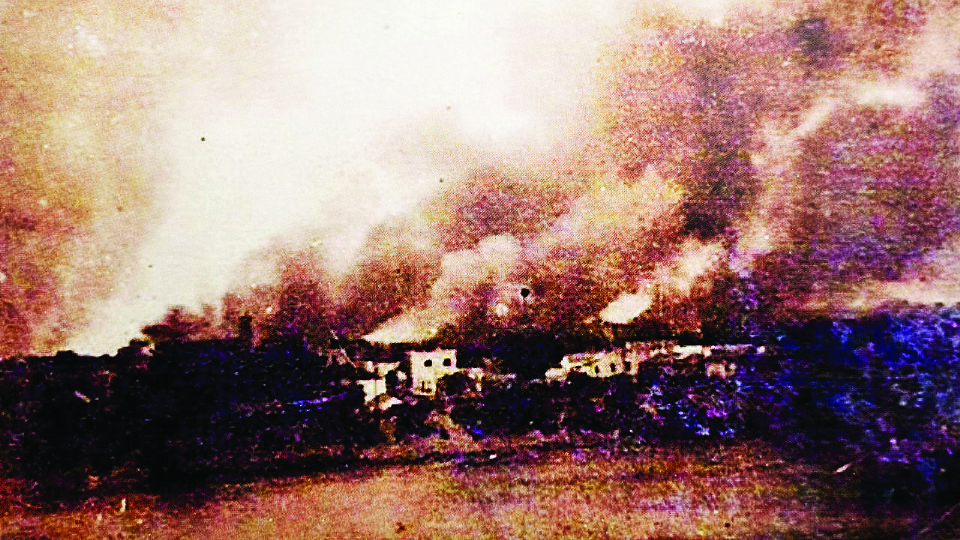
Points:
(238, 244)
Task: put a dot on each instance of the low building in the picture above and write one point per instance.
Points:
(377, 386)
(718, 360)
(373, 388)
(599, 364)
(427, 367)
(623, 360)
(380, 369)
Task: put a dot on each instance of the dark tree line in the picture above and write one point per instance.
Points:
(879, 390)
(184, 409)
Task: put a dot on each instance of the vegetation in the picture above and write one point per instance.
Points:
(182, 411)
(875, 399)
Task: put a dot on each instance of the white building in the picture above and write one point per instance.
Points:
(599, 364)
(380, 369)
(622, 360)
(427, 367)
(627, 359)
(378, 385)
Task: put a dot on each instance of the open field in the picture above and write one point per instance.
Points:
(736, 491)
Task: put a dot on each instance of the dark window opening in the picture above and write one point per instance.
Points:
(627, 366)
(613, 367)
(427, 363)
(447, 362)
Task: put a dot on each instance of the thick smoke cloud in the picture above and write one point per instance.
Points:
(400, 262)
(810, 149)
(76, 158)
(376, 167)
(273, 119)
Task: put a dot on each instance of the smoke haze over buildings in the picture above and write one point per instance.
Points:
(398, 160)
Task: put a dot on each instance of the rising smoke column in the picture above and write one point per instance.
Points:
(226, 127)
(881, 192)
(588, 240)
(786, 143)
(883, 189)
(872, 166)
(75, 153)
(492, 201)
(800, 136)
(689, 97)
(272, 118)
(400, 261)
(682, 171)
(610, 239)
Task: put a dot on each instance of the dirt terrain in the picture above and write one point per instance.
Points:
(514, 491)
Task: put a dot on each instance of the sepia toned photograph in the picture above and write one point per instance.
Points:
(387, 269)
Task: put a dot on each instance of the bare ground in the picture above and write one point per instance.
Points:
(500, 489)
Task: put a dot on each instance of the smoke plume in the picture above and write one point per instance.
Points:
(269, 120)
(810, 149)
(385, 169)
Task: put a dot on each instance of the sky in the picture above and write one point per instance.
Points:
(293, 118)
(154, 156)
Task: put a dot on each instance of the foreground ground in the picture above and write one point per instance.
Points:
(736, 491)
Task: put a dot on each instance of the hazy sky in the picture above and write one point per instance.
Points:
(304, 117)
(150, 155)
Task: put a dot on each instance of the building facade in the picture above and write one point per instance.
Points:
(599, 364)
(427, 367)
